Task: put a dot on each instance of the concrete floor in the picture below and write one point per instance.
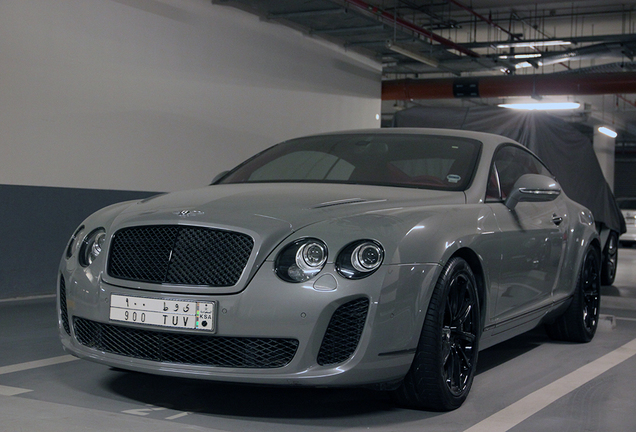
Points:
(527, 384)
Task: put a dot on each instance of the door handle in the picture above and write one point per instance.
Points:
(556, 219)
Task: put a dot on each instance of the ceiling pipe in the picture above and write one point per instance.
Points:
(483, 18)
(391, 19)
(506, 86)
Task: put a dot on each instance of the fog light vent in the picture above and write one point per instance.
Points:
(343, 333)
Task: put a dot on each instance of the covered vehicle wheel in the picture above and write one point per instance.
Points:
(610, 259)
(446, 358)
(580, 320)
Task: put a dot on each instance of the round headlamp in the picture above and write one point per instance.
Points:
(301, 260)
(91, 246)
(360, 259)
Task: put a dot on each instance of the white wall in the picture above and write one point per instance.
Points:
(161, 95)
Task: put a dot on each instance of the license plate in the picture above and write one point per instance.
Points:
(163, 312)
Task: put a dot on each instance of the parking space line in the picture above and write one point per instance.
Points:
(36, 364)
(12, 391)
(21, 299)
(514, 414)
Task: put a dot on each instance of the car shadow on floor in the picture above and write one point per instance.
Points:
(510, 349)
(251, 401)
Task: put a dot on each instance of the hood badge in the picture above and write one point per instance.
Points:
(188, 213)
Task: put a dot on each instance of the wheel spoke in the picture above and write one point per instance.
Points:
(465, 336)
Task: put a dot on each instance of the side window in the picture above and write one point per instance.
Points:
(509, 163)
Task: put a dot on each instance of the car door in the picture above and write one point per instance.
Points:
(531, 237)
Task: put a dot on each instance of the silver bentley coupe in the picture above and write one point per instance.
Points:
(380, 258)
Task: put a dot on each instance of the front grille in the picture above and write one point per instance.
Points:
(180, 255)
(63, 307)
(235, 352)
(343, 333)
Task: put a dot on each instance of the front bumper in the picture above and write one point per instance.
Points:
(358, 333)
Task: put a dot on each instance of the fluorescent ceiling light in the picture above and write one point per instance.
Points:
(542, 106)
(533, 44)
(523, 65)
(607, 131)
(520, 56)
(415, 56)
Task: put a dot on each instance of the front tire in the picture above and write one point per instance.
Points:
(446, 358)
(580, 320)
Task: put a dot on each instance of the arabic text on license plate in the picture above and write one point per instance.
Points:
(163, 312)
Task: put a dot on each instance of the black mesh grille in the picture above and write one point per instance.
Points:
(63, 307)
(186, 348)
(343, 333)
(180, 255)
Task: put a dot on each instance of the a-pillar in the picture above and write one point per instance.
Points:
(604, 149)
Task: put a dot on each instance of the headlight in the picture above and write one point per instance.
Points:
(73, 244)
(360, 259)
(91, 246)
(301, 260)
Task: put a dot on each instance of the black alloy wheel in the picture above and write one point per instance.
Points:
(580, 320)
(446, 358)
(610, 259)
(591, 288)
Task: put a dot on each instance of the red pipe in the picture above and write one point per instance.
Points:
(503, 86)
(391, 19)
(481, 17)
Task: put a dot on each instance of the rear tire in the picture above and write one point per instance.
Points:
(610, 259)
(580, 320)
(446, 358)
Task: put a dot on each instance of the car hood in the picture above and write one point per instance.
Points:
(280, 207)
(270, 213)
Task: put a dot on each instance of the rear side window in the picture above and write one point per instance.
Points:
(509, 163)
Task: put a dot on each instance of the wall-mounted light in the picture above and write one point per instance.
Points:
(542, 106)
(607, 131)
(415, 56)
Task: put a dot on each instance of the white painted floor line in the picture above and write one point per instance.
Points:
(514, 414)
(37, 297)
(12, 391)
(36, 364)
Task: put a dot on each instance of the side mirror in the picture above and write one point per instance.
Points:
(533, 188)
(218, 177)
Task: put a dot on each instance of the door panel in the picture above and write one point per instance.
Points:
(532, 247)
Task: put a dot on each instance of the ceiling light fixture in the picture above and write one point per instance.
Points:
(415, 56)
(532, 44)
(607, 131)
(520, 56)
(542, 106)
(522, 65)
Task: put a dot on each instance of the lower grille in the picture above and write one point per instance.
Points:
(343, 333)
(63, 307)
(185, 348)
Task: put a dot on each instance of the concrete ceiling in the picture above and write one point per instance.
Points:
(458, 39)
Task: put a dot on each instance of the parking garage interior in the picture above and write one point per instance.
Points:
(114, 100)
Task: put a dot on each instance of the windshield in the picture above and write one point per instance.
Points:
(423, 161)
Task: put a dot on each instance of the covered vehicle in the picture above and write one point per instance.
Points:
(384, 258)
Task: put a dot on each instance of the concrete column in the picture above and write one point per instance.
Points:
(604, 149)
